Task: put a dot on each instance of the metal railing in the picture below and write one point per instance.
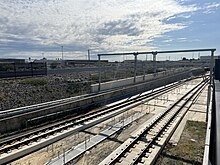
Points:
(155, 53)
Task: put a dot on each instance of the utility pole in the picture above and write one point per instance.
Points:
(62, 51)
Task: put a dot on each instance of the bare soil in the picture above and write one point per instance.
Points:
(189, 149)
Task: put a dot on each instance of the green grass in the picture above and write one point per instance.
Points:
(35, 81)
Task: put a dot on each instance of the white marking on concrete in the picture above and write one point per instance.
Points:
(88, 144)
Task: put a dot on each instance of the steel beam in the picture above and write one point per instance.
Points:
(160, 52)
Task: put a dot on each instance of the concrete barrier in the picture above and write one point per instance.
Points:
(139, 79)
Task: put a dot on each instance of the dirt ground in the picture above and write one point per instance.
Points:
(189, 149)
(21, 92)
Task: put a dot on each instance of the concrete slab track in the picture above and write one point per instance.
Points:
(93, 141)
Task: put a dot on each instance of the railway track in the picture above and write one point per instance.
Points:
(145, 146)
(12, 148)
(103, 109)
(31, 108)
(37, 107)
(23, 119)
(51, 112)
(21, 110)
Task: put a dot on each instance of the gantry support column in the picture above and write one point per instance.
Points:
(99, 63)
(154, 62)
(135, 66)
(210, 83)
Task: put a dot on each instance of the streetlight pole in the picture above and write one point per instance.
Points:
(62, 51)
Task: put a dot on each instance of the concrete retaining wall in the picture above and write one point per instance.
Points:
(40, 116)
(130, 80)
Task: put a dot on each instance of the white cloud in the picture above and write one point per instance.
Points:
(103, 25)
(210, 7)
(167, 41)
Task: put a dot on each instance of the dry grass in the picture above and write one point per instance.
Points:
(190, 148)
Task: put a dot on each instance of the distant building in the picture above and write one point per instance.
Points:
(82, 62)
(207, 58)
(11, 60)
(133, 61)
(70, 63)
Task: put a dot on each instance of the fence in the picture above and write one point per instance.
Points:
(9, 70)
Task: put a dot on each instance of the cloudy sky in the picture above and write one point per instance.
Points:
(37, 28)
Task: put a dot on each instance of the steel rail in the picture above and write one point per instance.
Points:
(7, 143)
(136, 139)
(30, 108)
(16, 111)
(103, 110)
(49, 140)
(198, 91)
(64, 112)
(21, 152)
(11, 113)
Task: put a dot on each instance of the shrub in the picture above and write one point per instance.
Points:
(35, 81)
(54, 65)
